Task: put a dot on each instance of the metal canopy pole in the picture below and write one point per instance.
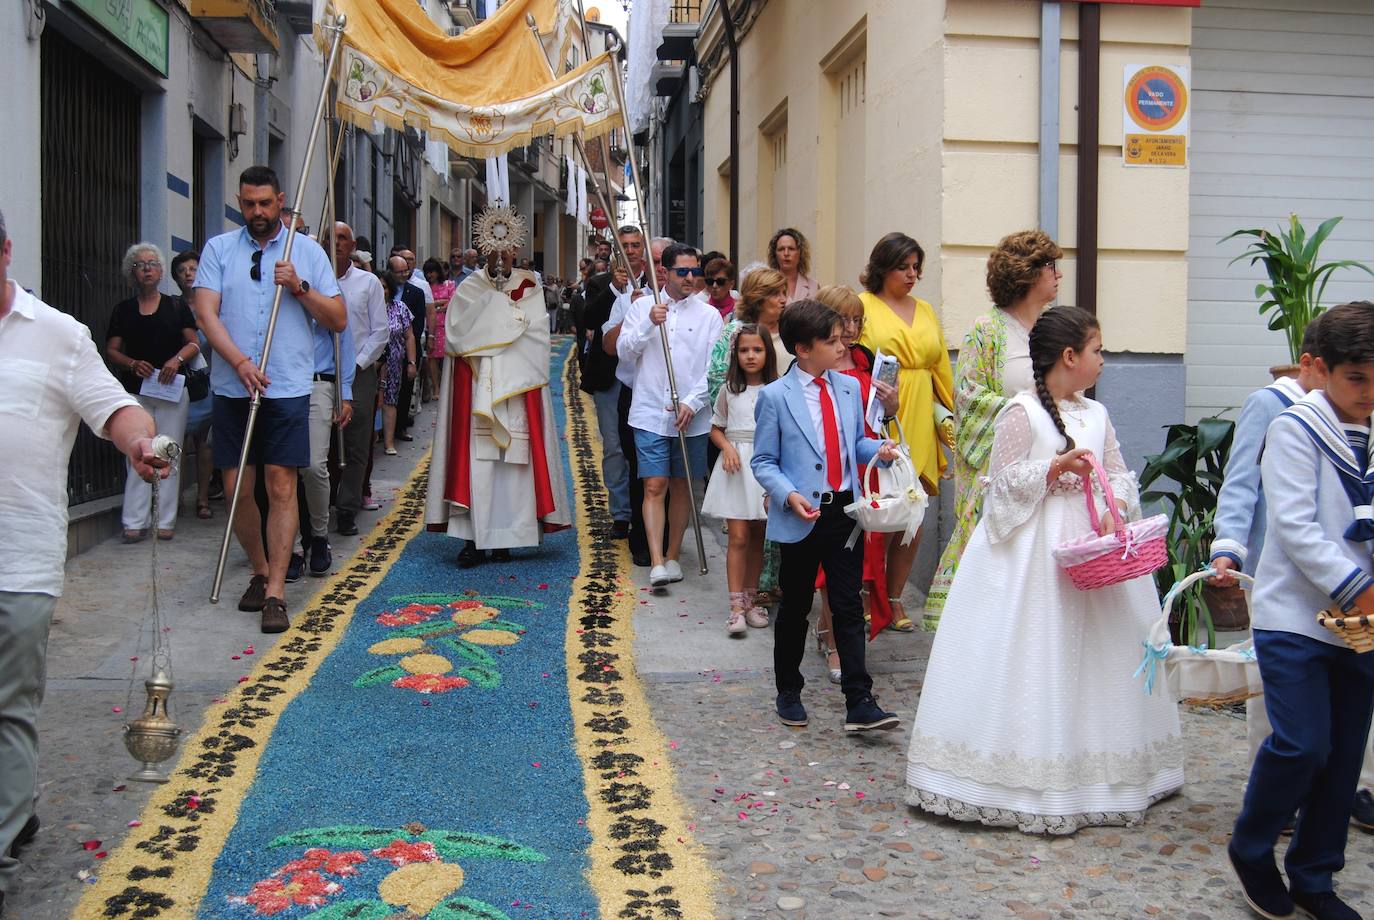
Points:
(256, 402)
(653, 283)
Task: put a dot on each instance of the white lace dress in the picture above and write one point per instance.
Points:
(735, 496)
(1029, 716)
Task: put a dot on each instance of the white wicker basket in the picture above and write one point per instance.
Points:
(1198, 675)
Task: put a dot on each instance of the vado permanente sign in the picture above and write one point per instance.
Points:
(1154, 121)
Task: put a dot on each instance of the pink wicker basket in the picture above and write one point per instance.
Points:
(1137, 548)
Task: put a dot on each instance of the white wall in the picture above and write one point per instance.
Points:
(19, 193)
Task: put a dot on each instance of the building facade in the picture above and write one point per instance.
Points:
(133, 122)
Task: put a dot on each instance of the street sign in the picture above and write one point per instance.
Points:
(140, 25)
(598, 218)
(1154, 119)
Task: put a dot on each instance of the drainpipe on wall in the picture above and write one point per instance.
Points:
(728, 21)
(1049, 117)
(1089, 90)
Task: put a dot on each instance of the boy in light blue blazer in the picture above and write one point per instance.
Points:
(809, 452)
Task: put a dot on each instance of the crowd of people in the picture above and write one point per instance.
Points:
(788, 397)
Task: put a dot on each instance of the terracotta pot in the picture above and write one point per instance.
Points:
(1283, 370)
(1228, 606)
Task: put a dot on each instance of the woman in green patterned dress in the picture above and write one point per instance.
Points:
(993, 366)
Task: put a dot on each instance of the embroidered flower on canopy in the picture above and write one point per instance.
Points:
(322, 860)
(429, 683)
(401, 853)
(303, 889)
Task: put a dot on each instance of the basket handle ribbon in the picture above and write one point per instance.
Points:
(906, 475)
(1158, 642)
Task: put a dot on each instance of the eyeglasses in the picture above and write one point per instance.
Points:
(256, 271)
(684, 272)
(716, 282)
(150, 263)
(1051, 266)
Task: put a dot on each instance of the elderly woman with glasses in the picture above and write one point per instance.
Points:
(151, 336)
(994, 365)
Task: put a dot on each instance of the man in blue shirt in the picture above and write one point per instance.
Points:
(235, 285)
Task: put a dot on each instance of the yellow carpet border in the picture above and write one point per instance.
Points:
(162, 868)
(645, 864)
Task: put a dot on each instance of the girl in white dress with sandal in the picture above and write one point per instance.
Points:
(1028, 716)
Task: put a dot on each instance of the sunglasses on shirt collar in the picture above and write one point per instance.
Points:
(684, 272)
(256, 271)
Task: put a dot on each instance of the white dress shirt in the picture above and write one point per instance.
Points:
(693, 327)
(51, 379)
(813, 405)
(624, 370)
(366, 302)
(418, 279)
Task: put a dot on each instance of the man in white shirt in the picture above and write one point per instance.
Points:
(693, 327)
(52, 379)
(366, 302)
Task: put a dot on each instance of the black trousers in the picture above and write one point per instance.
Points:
(639, 543)
(824, 548)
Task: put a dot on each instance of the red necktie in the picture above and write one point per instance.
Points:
(833, 471)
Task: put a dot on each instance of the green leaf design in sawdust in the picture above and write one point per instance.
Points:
(382, 675)
(466, 909)
(485, 678)
(469, 651)
(357, 909)
(343, 836)
(456, 845)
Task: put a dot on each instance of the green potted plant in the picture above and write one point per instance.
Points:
(1293, 294)
(1194, 461)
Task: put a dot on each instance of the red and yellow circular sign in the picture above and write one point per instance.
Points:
(1156, 98)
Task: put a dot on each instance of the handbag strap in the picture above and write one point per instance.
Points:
(1107, 493)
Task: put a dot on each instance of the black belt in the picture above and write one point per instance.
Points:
(830, 498)
(327, 378)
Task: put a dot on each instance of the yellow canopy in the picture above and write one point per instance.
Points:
(483, 92)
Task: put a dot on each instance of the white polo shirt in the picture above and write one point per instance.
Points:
(52, 379)
(366, 303)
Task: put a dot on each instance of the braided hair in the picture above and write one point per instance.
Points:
(1057, 328)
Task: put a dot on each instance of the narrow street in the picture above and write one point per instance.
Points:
(792, 823)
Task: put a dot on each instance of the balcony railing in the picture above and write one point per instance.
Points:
(685, 11)
(239, 25)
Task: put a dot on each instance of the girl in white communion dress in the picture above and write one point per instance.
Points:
(1028, 716)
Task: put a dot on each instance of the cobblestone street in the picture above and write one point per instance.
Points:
(811, 823)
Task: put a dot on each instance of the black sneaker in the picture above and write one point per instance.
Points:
(294, 568)
(642, 559)
(867, 716)
(1362, 814)
(1263, 887)
(620, 530)
(345, 524)
(1324, 906)
(790, 709)
(321, 559)
(500, 555)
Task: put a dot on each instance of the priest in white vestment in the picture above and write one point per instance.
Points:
(496, 478)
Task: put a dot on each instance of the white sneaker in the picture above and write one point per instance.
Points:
(735, 625)
(673, 569)
(659, 576)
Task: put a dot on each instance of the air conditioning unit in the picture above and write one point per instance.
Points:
(238, 120)
(455, 30)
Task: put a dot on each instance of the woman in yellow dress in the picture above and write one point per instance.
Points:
(906, 328)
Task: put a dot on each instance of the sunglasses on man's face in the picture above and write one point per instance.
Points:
(717, 282)
(684, 272)
(256, 271)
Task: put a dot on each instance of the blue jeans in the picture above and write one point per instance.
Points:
(1319, 698)
(614, 470)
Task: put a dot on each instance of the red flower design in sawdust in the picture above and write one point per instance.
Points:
(409, 615)
(322, 860)
(400, 853)
(466, 605)
(273, 895)
(429, 683)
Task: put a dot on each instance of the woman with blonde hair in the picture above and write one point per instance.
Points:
(906, 328)
(762, 296)
(790, 254)
(994, 365)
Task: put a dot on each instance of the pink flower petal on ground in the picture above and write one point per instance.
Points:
(117, 709)
(91, 846)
